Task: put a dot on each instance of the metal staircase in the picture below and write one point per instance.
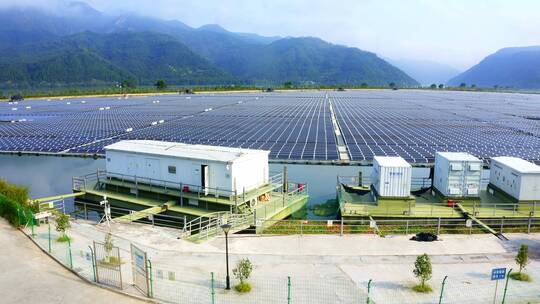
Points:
(209, 225)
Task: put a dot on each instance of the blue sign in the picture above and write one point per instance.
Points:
(498, 274)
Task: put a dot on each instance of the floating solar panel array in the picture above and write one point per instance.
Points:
(293, 126)
(415, 125)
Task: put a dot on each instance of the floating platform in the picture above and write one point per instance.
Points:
(430, 204)
(201, 209)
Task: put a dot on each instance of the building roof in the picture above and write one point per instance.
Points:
(180, 150)
(458, 156)
(518, 164)
(391, 161)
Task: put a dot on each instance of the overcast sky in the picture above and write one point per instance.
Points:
(455, 32)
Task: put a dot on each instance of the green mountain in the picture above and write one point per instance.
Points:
(517, 67)
(80, 45)
(310, 60)
(105, 58)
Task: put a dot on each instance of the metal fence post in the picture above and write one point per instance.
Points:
(69, 253)
(289, 300)
(341, 227)
(32, 223)
(442, 289)
(502, 224)
(18, 217)
(439, 226)
(85, 212)
(529, 224)
(212, 288)
(49, 237)
(407, 227)
(506, 285)
(368, 301)
(150, 279)
(93, 262)
(301, 227)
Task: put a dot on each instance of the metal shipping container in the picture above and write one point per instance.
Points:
(457, 174)
(391, 176)
(516, 177)
(209, 167)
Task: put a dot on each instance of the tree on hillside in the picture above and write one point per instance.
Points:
(127, 84)
(364, 85)
(463, 85)
(392, 85)
(473, 86)
(441, 86)
(288, 85)
(160, 84)
(433, 86)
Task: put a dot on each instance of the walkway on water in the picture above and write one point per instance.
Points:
(30, 276)
(340, 140)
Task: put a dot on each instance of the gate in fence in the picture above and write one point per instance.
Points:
(108, 265)
(139, 266)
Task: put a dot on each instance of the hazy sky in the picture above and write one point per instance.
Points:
(456, 32)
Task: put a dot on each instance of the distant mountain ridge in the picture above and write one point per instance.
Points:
(206, 55)
(516, 67)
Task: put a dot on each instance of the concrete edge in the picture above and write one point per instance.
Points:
(140, 298)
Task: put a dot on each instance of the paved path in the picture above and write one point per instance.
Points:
(29, 276)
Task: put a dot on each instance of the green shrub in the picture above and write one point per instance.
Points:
(62, 222)
(243, 287)
(520, 276)
(425, 288)
(522, 258)
(422, 270)
(15, 193)
(242, 272)
(63, 238)
(14, 213)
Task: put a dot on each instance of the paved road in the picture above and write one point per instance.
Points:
(27, 275)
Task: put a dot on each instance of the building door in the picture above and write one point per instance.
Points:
(204, 179)
(132, 165)
(152, 168)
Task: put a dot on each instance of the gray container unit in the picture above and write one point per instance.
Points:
(457, 174)
(391, 176)
(516, 177)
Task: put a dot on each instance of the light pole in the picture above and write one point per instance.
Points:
(226, 228)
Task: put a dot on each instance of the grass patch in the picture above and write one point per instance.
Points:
(329, 208)
(520, 277)
(422, 288)
(63, 238)
(111, 261)
(243, 287)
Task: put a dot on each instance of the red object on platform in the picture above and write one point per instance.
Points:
(300, 187)
(185, 189)
(451, 203)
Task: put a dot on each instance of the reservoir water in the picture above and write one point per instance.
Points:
(51, 175)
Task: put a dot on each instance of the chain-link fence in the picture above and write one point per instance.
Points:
(172, 281)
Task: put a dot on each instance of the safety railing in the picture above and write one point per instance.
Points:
(81, 183)
(397, 226)
(209, 225)
(94, 212)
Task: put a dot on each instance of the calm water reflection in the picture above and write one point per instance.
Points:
(49, 175)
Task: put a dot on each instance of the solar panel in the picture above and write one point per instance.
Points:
(293, 126)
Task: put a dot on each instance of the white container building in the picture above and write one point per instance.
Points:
(516, 177)
(457, 174)
(196, 167)
(391, 176)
